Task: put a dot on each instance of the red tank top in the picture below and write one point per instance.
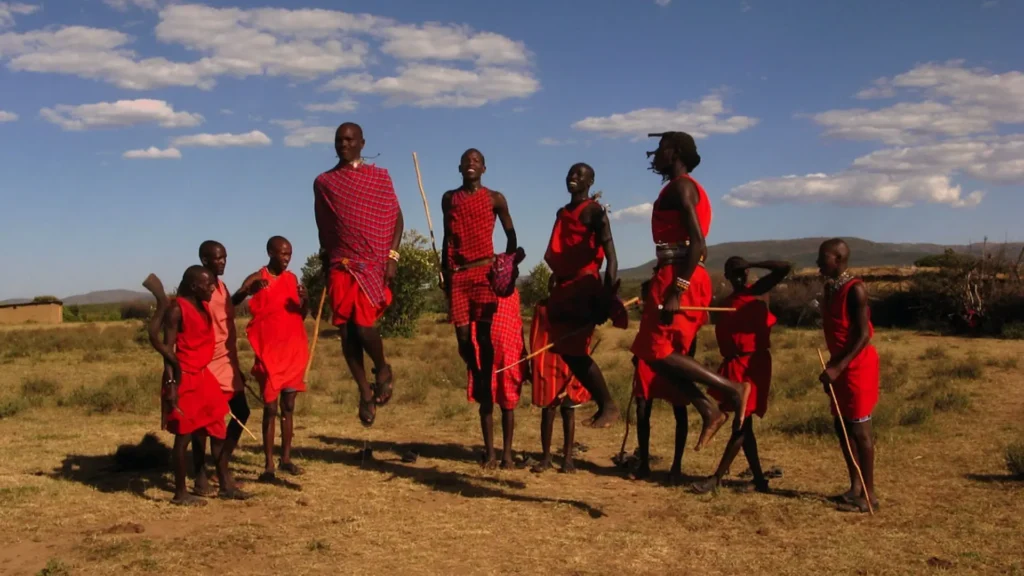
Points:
(472, 227)
(746, 330)
(574, 250)
(666, 225)
(835, 319)
(195, 341)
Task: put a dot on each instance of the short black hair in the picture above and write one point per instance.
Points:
(208, 246)
(275, 240)
(470, 151)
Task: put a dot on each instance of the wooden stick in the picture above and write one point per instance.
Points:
(235, 418)
(316, 333)
(703, 309)
(846, 438)
(536, 353)
(430, 223)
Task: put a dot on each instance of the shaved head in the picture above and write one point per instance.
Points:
(838, 247)
(207, 248)
(477, 152)
(276, 242)
(348, 142)
(349, 126)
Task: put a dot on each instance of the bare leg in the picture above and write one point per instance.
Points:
(855, 488)
(269, 426)
(683, 371)
(643, 438)
(181, 495)
(863, 445)
(372, 344)
(202, 481)
(547, 424)
(589, 374)
(240, 408)
(352, 349)
(508, 428)
(675, 475)
(741, 437)
(287, 430)
(568, 436)
(487, 429)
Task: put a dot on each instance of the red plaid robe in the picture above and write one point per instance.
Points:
(356, 210)
(507, 337)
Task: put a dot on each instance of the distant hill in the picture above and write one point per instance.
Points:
(108, 297)
(803, 252)
(15, 301)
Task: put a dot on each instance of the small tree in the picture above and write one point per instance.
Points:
(535, 288)
(45, 299)
(411, 288)
(313, 280)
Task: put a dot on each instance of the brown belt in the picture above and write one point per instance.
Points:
(474, 264)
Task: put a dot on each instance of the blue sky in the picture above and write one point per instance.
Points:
(131, 130)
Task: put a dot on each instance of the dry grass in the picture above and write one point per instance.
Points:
(948, 428)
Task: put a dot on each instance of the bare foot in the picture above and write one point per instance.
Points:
(705, 486)
(711, 427)
(234, 494)
(542, 466)
(292, 468)
(605, 417)
(188, 500)
(490, 464)
(848, 497)
(508, 464)
(675, 477)
(568, 467)
(202, 487)
(758, 486)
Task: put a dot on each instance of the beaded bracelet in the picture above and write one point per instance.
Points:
(394, 255)
(682, 285)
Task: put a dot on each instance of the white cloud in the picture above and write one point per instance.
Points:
(853, 188)
(638, 213)
(124, 5)
(342, 105)
(227, 111)
(745, 7)
(700, 119)
(6, 116)
(555, 142)
(152, 153)
(299, 135)
(432, 86)
(9, 9)
(958, 102)
(439, 42)
(120, 113)
(662, 2)
(254, 138)
(999, 160)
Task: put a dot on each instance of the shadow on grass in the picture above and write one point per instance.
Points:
(455, 483)
(996, 478)
(133, 468)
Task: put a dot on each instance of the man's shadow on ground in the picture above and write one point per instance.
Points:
(133, 468)
(455, 483)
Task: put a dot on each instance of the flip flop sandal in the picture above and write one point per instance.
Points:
(189, 500)
(291, 468)
(382, 391)
(367, 412)
(210, 492)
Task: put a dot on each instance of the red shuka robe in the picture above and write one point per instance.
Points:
(857, 387)
(201, 404)
(277, 334)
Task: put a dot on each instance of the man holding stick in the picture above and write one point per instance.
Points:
(680, 221)
(851, 373)
(360, 226)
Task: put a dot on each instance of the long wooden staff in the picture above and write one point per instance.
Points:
(316, 332)
(430, 223)
(846, 438)
(536, 353)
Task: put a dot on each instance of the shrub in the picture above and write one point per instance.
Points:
(136, 311)
(535, 288)
(1015, 459)
(915, 416)
(36, 390)
(953, 401)
(415, 278)
(12, 406)
(934, 353)
(118, 394)
(313, 280)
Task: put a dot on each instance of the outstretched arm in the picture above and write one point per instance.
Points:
(501, 210)
(857, 308)
(777, 272)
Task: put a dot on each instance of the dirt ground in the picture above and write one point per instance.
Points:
(949, 408)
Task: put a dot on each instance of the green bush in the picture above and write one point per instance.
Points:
(120, 393)
(534, 288)
(414, 280)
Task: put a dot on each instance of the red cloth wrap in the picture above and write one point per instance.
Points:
(356, 211)
(857, 387)
(655, 341)
(471, 239)
(551, 375)
(277, 334)
(573, 249)
(744, 340)
(349, 303)
(507, 338)
(201, 404)
(647, 385)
